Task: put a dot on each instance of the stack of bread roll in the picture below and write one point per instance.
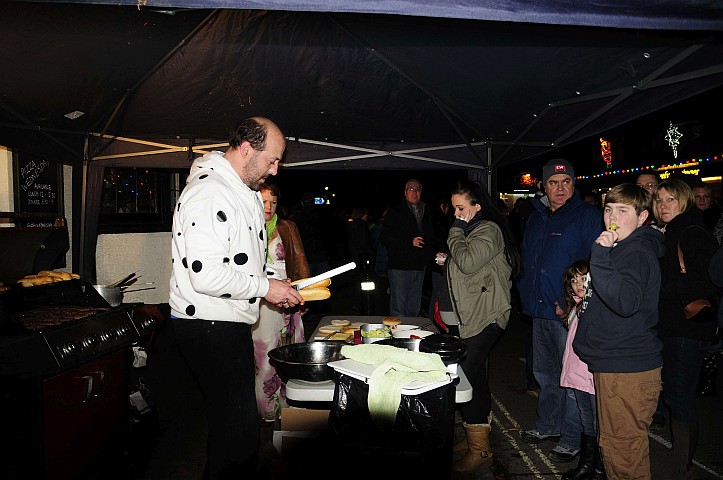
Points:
(315, 291)
(46, 276)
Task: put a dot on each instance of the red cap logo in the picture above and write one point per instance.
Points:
(560, 168)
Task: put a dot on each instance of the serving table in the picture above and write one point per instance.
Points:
(304, 391)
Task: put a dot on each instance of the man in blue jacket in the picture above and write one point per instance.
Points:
(561, 229)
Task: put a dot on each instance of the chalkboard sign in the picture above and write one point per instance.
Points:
(38, 189)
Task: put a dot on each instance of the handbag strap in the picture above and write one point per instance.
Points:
(680, 252)
(680, 259)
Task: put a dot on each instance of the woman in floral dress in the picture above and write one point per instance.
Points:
(277, 326)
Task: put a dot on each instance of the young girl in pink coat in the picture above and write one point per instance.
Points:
(576, 375)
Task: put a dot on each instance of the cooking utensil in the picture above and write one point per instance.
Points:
(133, 282)
(306, 361)
(122, 281)
(138, 289)
(323, 276)
(112, 295)
(411, 344)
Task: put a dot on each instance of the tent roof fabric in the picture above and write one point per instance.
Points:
(646, 14)
(424, 84)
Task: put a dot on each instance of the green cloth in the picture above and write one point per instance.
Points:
(396, 368)
(270, 227)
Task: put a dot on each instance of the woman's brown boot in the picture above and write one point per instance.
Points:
(479, 453)
(461, 446)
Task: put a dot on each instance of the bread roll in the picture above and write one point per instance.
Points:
(321, 284)
(391, 321)
(54, 274)
(33, 280)
(311, 294)
(329, 329)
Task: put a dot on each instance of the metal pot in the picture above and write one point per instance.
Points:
(306, 361)
(112, 295)
(411, 344)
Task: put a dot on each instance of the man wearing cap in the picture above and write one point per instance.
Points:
(561, 229)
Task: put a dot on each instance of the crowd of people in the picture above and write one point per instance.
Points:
(611, 349)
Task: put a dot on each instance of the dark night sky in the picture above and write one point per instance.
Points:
(373, 190)
(637, 143)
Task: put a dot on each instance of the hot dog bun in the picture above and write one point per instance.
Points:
(310, 294)
(33, 280)
(46, 276)
(54, 274)
(321, 284)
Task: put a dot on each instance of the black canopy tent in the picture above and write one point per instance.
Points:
(420, 84)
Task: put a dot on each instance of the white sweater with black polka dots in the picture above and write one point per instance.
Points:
(219, 246)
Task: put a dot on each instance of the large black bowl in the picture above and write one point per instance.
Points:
(306, 361)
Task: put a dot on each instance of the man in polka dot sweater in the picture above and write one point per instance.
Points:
(218, 279)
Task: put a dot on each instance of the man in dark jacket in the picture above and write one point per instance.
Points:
(408, 236)
(560, 230)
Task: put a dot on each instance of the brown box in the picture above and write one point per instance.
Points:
(296, 426)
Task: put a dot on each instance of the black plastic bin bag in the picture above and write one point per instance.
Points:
(419, 443)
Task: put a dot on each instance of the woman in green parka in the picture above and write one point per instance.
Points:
(482, 263)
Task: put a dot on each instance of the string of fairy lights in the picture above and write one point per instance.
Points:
(691, 164)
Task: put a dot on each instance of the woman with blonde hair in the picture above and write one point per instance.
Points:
(689, 247)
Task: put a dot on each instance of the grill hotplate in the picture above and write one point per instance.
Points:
(51, 330)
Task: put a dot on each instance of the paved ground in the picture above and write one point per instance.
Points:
(170, 443)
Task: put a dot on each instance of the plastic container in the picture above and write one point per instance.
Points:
(368, 327)
(411, 333)
(403, 327)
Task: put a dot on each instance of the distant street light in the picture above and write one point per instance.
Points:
(367, 287)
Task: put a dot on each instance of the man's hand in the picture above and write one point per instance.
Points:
(282, 294)
(418, 242)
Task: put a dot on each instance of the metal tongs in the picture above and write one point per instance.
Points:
(123, 281)
(133, 281)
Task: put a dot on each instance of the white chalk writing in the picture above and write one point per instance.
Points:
(30, 172)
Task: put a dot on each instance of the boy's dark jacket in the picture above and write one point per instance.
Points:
(616, 331)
